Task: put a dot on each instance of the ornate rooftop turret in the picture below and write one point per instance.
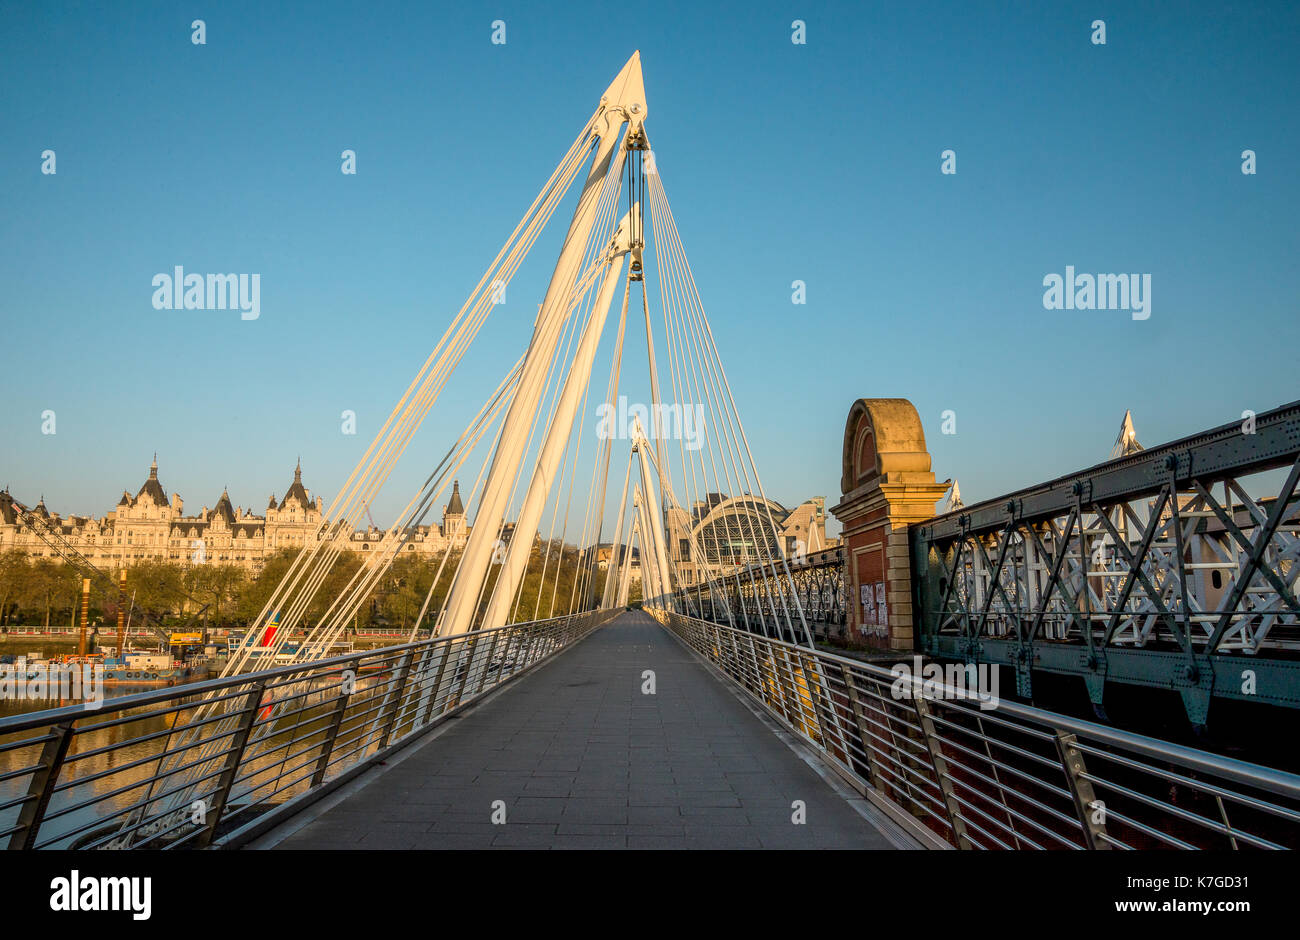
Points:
(152, 488)
(455, 507)
(297, 491)
(224, 509)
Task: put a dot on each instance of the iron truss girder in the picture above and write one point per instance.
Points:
(1216, 454)
(1157, 569)
(754, 591)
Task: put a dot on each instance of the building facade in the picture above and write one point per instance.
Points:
(720, 533)
(150, 526)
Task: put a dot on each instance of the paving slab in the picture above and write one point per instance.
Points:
(575, 756)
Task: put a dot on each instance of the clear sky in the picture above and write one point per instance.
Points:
(818, 162)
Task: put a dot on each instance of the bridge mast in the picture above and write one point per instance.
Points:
(623, 102)
(657, 545)
(651, 590)
(553, 448)
(610, 596)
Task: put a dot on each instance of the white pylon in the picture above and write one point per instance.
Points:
(651, 574)
(658, 544)
(1126, 443)
(623, 102)
(557, 441)
(610, 595)
(625, 571)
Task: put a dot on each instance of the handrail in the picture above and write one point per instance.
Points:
(958, 765)
(138, 699)
(199, 765)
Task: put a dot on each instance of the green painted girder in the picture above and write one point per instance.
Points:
(1276, 682)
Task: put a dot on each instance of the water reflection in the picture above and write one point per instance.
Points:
(115, 757)
(86, 743)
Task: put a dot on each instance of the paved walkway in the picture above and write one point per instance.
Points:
(582, 759)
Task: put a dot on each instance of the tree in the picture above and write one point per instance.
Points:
(256, 592)
(14, 572)
(157, 586)
(42, 587)
(218, 586)
(67, 591)
(340, 579)
(405, 587)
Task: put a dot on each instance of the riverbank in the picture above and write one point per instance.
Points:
(59, 644)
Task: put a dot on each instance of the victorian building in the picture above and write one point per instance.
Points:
(150, 526)
(720, 533)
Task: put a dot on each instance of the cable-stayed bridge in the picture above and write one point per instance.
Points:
(1102, 575)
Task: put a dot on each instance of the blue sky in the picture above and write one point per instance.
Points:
(818, 162)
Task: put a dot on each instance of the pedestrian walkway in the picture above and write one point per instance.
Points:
(576, 755)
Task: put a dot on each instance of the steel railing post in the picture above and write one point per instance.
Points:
(41, 787)
(335, 722)
(399, 689)
(487, 663)
(812, 682)
(717, 646)
(519, 643)
(939, 764)
(819, 690)
(247, 715)
(531, 645)
(860, 719)
(1086, 803)
(737, 661)
(779, 681)
(464, 677)
(760, 686)
(448, 649)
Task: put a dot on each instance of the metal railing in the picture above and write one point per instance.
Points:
(746, 596)
(208, 763)
(957, 767)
